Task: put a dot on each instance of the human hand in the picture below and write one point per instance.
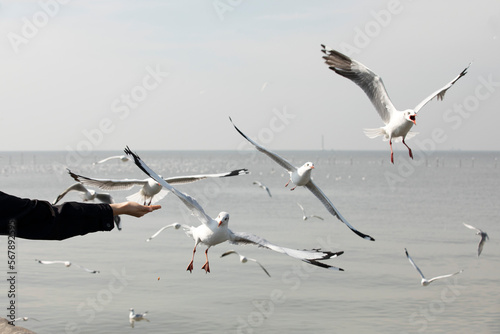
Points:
(133, 209)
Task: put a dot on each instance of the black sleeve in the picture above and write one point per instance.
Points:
(34, 219)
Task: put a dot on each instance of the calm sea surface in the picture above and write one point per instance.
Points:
(419, 205)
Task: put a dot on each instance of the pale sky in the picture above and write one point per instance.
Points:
(166, 75)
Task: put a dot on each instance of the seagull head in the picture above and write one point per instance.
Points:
(309, 165)
(222, 219)
(411, 116)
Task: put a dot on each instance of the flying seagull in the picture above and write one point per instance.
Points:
(261, 185)
(301, 176)
(151, 190)
(212, 232)
(306, 217)
(68, 264)
(483, 235)
(425, 281)
(397, 122)
(90, 195)
(123, 158)
(244, 259)
(174, 225)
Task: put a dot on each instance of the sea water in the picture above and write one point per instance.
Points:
(418, 204)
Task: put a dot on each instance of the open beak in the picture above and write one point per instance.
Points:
(413, 119)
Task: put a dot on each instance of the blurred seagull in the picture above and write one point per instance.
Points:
(215, 231)
(483, 235)
(25, 319)
(123, 158)
(244, 259)
(302, 177)
(151, 190)
(68, 264)
(263, 187)
(174, 225)
(304, 216)
(90, 195)
(397, 123)
(133, 317)
(425, 281)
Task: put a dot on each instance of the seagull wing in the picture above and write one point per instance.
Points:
(105, 198)
(413, 263)
(107, 184)
(108, 158)
(189, 201)
(194, 178)
(279, 160)
(472, 227)
(444, 276)
(309, 256)
(86, 269)
(331, 208)
(51, 262)
(174, 225)
(440, 92)
(76, 187)
(481, 243)
(362, 76)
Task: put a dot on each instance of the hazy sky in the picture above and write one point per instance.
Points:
(165, 75)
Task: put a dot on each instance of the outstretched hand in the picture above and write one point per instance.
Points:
(133, 209)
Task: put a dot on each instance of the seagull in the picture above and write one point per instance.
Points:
(301, 176)
(244, 259)
(263, 187)
(67, 264)
(425, 281)
(90, 195)
(215, 231)
(484, 237)
(174, 225)
(123, 158)
(397, 122)
(151, 190)
(133, 317)
(304, 216)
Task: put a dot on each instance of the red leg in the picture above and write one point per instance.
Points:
(206, 266)
(286, 185)
(190, 266)
(293, 188)
(409, 149)
(392, 154)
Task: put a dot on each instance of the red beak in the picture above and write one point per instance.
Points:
(220, 223)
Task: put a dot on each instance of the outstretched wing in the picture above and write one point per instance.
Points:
(279, 160)
(309, 256)
(194, 178)
(249, 259)
(87, 269)
(107, 184)
(331, 208)
(189, 201)
(440, 92)
(362, 76)
(472, 227)
(444, 276)
(174, 225)
(413, 263)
